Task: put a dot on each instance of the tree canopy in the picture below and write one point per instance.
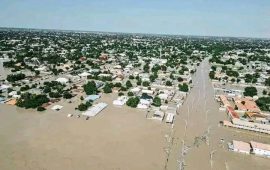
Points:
(156, 101)
(90, 88)
(250, 91)
(183, 87)
(133, 102)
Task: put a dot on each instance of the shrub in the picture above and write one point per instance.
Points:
(156, 102)
(121, 94)
(67, 95)
(40, 109)
(130, 93)
(145, 83)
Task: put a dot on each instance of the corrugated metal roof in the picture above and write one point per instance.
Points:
(93, 111)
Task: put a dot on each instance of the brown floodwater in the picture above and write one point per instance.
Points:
(121, 138)
(117, 138)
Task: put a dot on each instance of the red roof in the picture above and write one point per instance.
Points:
(232, 112)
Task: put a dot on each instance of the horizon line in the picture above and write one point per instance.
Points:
(142, 33)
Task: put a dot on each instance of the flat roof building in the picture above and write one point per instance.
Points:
(239, 146)
(260, 149)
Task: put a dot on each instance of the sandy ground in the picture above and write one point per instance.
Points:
(118, 138)
(199, 116)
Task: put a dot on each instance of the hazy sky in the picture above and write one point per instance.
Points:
(249, 18)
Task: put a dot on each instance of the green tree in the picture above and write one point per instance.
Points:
(133, 102)
(128, 84)
(15, 77)
(90, 88)
(168, 83)
(212, 74)
(120, 94)
(47, 89)
(267, 81)
(264, 103)
(145, 83)
(183, 87)
(130, 93)
(28, 100)
(250, 91)
(37, 72)
(67, 95)
(156, 101)
(55, 95)
(117, 84)
(146, 68)
(107, 88)
(84, 106)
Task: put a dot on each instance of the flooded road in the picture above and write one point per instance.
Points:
(198, 142)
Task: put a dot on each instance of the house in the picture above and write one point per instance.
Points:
(57, 107)
(163, 96)
(158, 115)
(169, 118)
(95, 109)
(120, 101)
(144, 104)
(12, 93)
(239, 146)
(246, 104)
(224, 101)
(105, 75)
(135, 90)
(2, 99)
(62, 80)
(4, 87)
(260, 149)
(232, 113)
(84, 74)
(103, 57)
(242, 124)
(171, 110)
(118, 67)
(149, 92)
(91, 97)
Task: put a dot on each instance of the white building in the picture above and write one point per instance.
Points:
(169, 118)
(260, 149)
(144, 104)
(120, 101)
(93, 111)
(158, 115)
(62, 80)
(239, 146)
(84, 74)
